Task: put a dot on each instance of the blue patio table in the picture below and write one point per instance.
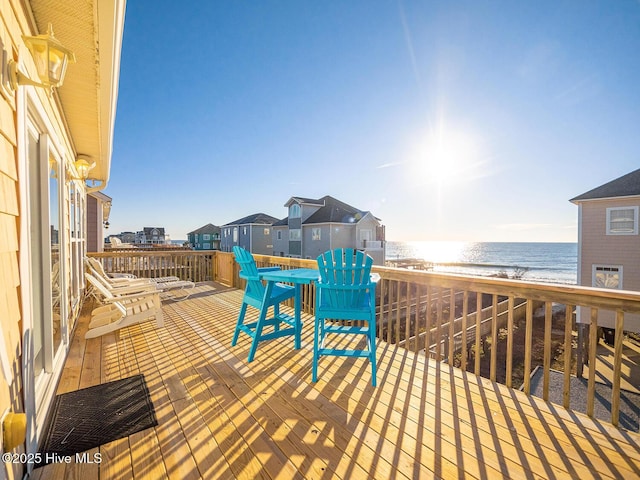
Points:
(298, 277)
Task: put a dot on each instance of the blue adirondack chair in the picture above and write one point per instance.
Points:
(261, 297)
(345, 292)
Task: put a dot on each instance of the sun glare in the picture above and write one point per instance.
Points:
(439, 251)
(445, 156)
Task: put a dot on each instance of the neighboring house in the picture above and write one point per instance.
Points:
(127, 237)
(252, 233)
(51, 142)
(152, 235)
(609, 242)
(206, 237)
(98, 210)
(317, 225)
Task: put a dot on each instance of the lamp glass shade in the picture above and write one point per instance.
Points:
(83, 167)
(50, 57)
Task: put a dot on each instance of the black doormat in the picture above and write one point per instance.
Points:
(93, 416)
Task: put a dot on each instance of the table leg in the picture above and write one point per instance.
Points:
(297, 307)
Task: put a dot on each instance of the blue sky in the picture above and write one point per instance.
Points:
(472, 121)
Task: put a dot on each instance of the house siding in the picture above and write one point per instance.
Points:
(313, 248)
(10, 316)
(261, 242)
(598, 248)
(280, 247)
(10, 283)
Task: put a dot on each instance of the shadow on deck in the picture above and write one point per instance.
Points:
(221, 417)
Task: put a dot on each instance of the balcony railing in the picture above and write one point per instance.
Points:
(196, 266)
(462, 320)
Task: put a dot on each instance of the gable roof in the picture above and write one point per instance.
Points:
(626, 186)
(335, 211)
(260, 218)
(149, 230)
(304, 200)
(208, 228)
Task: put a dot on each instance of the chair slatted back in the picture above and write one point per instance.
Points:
(97, 284)
(249, 271)
(349, 272)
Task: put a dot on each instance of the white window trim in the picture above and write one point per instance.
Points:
(635, 220)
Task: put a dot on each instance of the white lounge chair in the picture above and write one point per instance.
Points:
(169, 286)
(123, 278)
(122, 310)
(117, 243)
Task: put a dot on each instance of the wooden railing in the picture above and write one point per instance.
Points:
(530, 324)
(497, 328)
(196, 266)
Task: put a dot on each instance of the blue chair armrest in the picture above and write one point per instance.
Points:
(244, 276)
(331, 286)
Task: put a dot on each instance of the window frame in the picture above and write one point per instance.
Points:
(293, 237)
(634, 231)
(603, 268)
(295, 211)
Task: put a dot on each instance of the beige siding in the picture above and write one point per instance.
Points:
(598, 248)
(10, 314)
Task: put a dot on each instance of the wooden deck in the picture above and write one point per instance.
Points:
(221, 417)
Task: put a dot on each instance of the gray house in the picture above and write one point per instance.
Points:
(153, 235)
(252, 233)
(317, 225)
(206, 237)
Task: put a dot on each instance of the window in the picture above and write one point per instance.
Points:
(235, 234)
(294, 234)
(206, 246)
(206, 236)
(622, 221)
(294, 211)
(315, 233)
(244, 230)
(279, 234)
(267, 231)
(607, 276)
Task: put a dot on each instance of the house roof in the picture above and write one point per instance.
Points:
(149, 230)
(309, 201)
(281, 223)
(93, 30)
(208, 228)
(335, 211)
(626, 186)
(259, 218)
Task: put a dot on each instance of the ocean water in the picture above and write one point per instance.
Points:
(535, 262)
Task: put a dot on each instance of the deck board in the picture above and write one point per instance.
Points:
(222, 417)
